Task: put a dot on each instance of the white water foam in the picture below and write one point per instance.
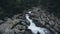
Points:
(34, 28)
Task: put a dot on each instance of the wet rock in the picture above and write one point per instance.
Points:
(28, 32)
(18, 23)
(45, 18)
(1, 22)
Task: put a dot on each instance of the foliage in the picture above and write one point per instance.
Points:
(11, 7)
(54, 7)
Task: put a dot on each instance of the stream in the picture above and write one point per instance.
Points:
(34, 28)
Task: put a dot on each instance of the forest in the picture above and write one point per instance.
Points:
(10, 7)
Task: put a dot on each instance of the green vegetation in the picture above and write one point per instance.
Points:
(11, 7)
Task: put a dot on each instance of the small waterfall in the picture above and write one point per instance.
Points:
(36, 29)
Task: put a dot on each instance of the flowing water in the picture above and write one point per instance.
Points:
(34, 28)
(6, 26)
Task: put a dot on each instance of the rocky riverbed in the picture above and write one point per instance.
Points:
(19, 24)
